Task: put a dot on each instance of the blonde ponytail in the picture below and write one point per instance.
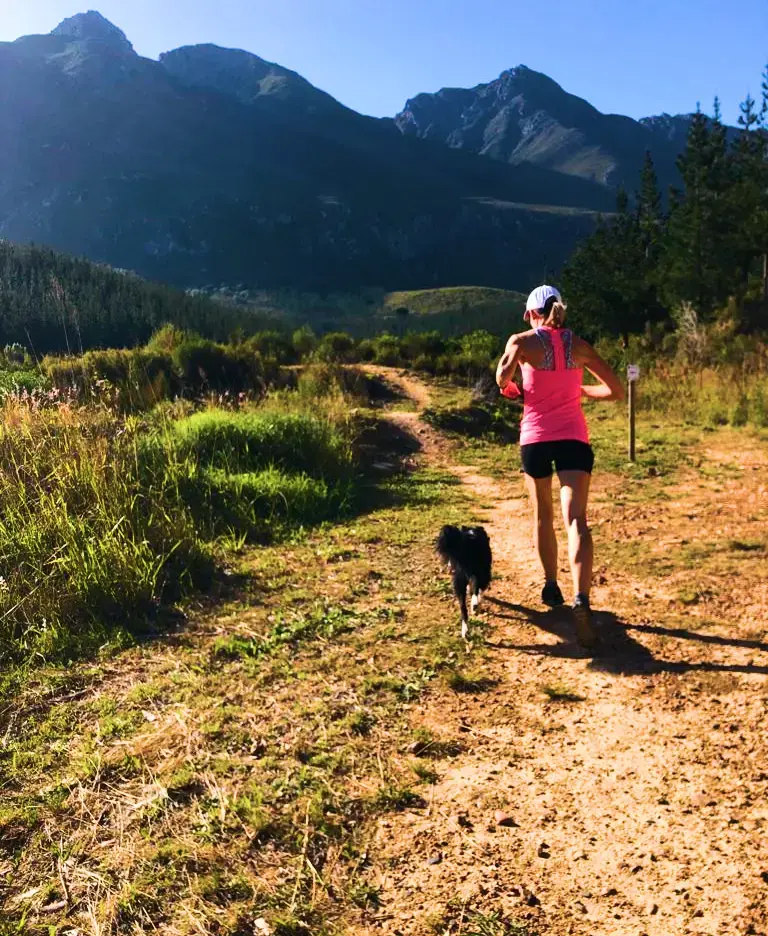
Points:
(555, 314)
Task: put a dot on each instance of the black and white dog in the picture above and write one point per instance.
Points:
(467, 552)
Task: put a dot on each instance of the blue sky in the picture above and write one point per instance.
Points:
(636, 57)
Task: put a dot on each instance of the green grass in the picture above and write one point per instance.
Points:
(460, 918)
(425, 773)
(557, 693)
(393, 798)
(242, 442)
(469, 683)
(455, 299)
(322, 622)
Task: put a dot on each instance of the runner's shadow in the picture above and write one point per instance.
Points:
(618, 652)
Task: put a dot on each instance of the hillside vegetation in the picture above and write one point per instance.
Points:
(53, 302)
(455, 299)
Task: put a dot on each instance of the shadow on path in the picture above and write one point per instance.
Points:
(618, 652)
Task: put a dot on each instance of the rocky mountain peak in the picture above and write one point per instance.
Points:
(92, 25)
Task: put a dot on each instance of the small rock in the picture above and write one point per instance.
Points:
(652, 909)
(261, 927)
(435, 859)
(504, 819)
(611, 892)
(531, 899)
(54, 907)
(543, 851)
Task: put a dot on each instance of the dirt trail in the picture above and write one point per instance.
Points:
(641, 808)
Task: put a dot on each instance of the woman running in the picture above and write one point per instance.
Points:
(554, 431)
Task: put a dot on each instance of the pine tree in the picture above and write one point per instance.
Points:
(610, 279)
(699, 247)
(649, 208)
(750, 191)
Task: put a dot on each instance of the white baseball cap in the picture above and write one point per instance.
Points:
(538, 298)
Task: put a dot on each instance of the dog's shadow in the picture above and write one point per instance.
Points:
(616, 651)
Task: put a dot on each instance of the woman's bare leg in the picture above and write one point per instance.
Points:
(544, 539)
(574, 494)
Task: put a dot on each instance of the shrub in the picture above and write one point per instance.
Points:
(205, 366)
(304, 342)
(386, 350)
(336, 348)
(173, 364)
(327, 380)
(167, 339)
(740, 412)
(274, 346)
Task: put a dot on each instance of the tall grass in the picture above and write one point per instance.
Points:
(84, 546)
(246, 441)
(105, 518)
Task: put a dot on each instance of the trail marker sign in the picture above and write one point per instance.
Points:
(633, 375)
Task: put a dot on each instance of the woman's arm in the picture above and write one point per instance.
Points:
(509, 362)
(609, 386)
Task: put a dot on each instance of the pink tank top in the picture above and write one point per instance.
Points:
(552, 403)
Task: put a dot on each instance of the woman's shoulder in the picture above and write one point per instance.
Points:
(581, 349)
(524, 336)
(519, 339)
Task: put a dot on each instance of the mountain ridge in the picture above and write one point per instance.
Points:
(213, 165)
(524, 116)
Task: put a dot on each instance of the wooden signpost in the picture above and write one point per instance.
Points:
(633, 375)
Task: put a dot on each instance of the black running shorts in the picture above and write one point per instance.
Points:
(567, 455)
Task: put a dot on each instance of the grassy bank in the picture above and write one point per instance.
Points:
(106, 519)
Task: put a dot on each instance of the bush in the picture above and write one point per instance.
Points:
(304, 342)
(173, 364)
(336, 348)
(274, 346)
(386, 350)
(330, 380)
(204, 366)
(167, 339)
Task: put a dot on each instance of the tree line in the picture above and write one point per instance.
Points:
(51, 302)
(704, 247)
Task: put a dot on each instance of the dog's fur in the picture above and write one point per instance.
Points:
(467, 552)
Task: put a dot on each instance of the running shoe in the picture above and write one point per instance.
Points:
(585, 630)
(551, 595)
